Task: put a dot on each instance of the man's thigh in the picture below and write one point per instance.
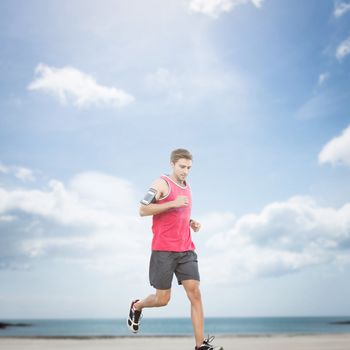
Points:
(187, 267)
(161, 269)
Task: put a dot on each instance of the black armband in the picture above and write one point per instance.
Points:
(150, 197)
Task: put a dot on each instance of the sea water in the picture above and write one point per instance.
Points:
(177, 326)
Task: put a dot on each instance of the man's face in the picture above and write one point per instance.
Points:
(181, 168)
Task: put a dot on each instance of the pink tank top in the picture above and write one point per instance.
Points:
(171, 229)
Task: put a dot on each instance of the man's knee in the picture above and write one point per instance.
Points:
(163, 299)
(194, 294)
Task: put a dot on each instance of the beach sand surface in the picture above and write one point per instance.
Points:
(276, 342)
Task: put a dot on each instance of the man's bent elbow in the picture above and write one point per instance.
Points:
(142, 211)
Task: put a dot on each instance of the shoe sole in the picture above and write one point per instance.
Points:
(130, 327)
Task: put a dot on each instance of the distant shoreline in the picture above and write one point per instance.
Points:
(4, 325)
(87, 329)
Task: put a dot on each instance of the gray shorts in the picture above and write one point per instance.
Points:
(164, 264)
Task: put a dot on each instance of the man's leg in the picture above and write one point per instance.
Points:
(197, 315)
(161, 271)
(161, 298)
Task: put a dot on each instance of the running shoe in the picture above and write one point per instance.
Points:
(207, 346)
(134, 318)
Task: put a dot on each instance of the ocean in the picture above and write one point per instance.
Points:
(177, 326)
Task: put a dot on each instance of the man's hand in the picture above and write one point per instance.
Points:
(180, 201)
(195, 225)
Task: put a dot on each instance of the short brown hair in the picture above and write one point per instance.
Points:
(179, 153)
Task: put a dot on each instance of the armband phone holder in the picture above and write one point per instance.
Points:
(150, 197)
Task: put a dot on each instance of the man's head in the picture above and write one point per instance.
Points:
(181, 162)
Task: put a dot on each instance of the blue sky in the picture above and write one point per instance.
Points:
(95, 95)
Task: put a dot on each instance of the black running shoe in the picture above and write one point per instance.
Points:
(134, 318)
(207, 346)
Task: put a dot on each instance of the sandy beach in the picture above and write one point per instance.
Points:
(278, 342)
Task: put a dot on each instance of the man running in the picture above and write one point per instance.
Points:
(173, 252)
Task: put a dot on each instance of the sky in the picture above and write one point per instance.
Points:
(95, 95)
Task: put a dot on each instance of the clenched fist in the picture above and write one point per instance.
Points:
(195, 225)
(180, 201)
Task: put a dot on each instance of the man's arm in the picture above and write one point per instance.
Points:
(162, 189)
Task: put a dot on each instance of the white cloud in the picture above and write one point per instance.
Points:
(92, 219)
(217, 221)
(322, 78)
(4, 169)
(24, 174)
(7, 218)
(322, 103)
(164, 81)
(285, 237)
(341, 8)
(337, 150)
(89, 199)
(14, 266)
(317, 106)
(202, 83)
(343, 49)
(214, 8)
(162, 77)
(69, 84)
(21, 173)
